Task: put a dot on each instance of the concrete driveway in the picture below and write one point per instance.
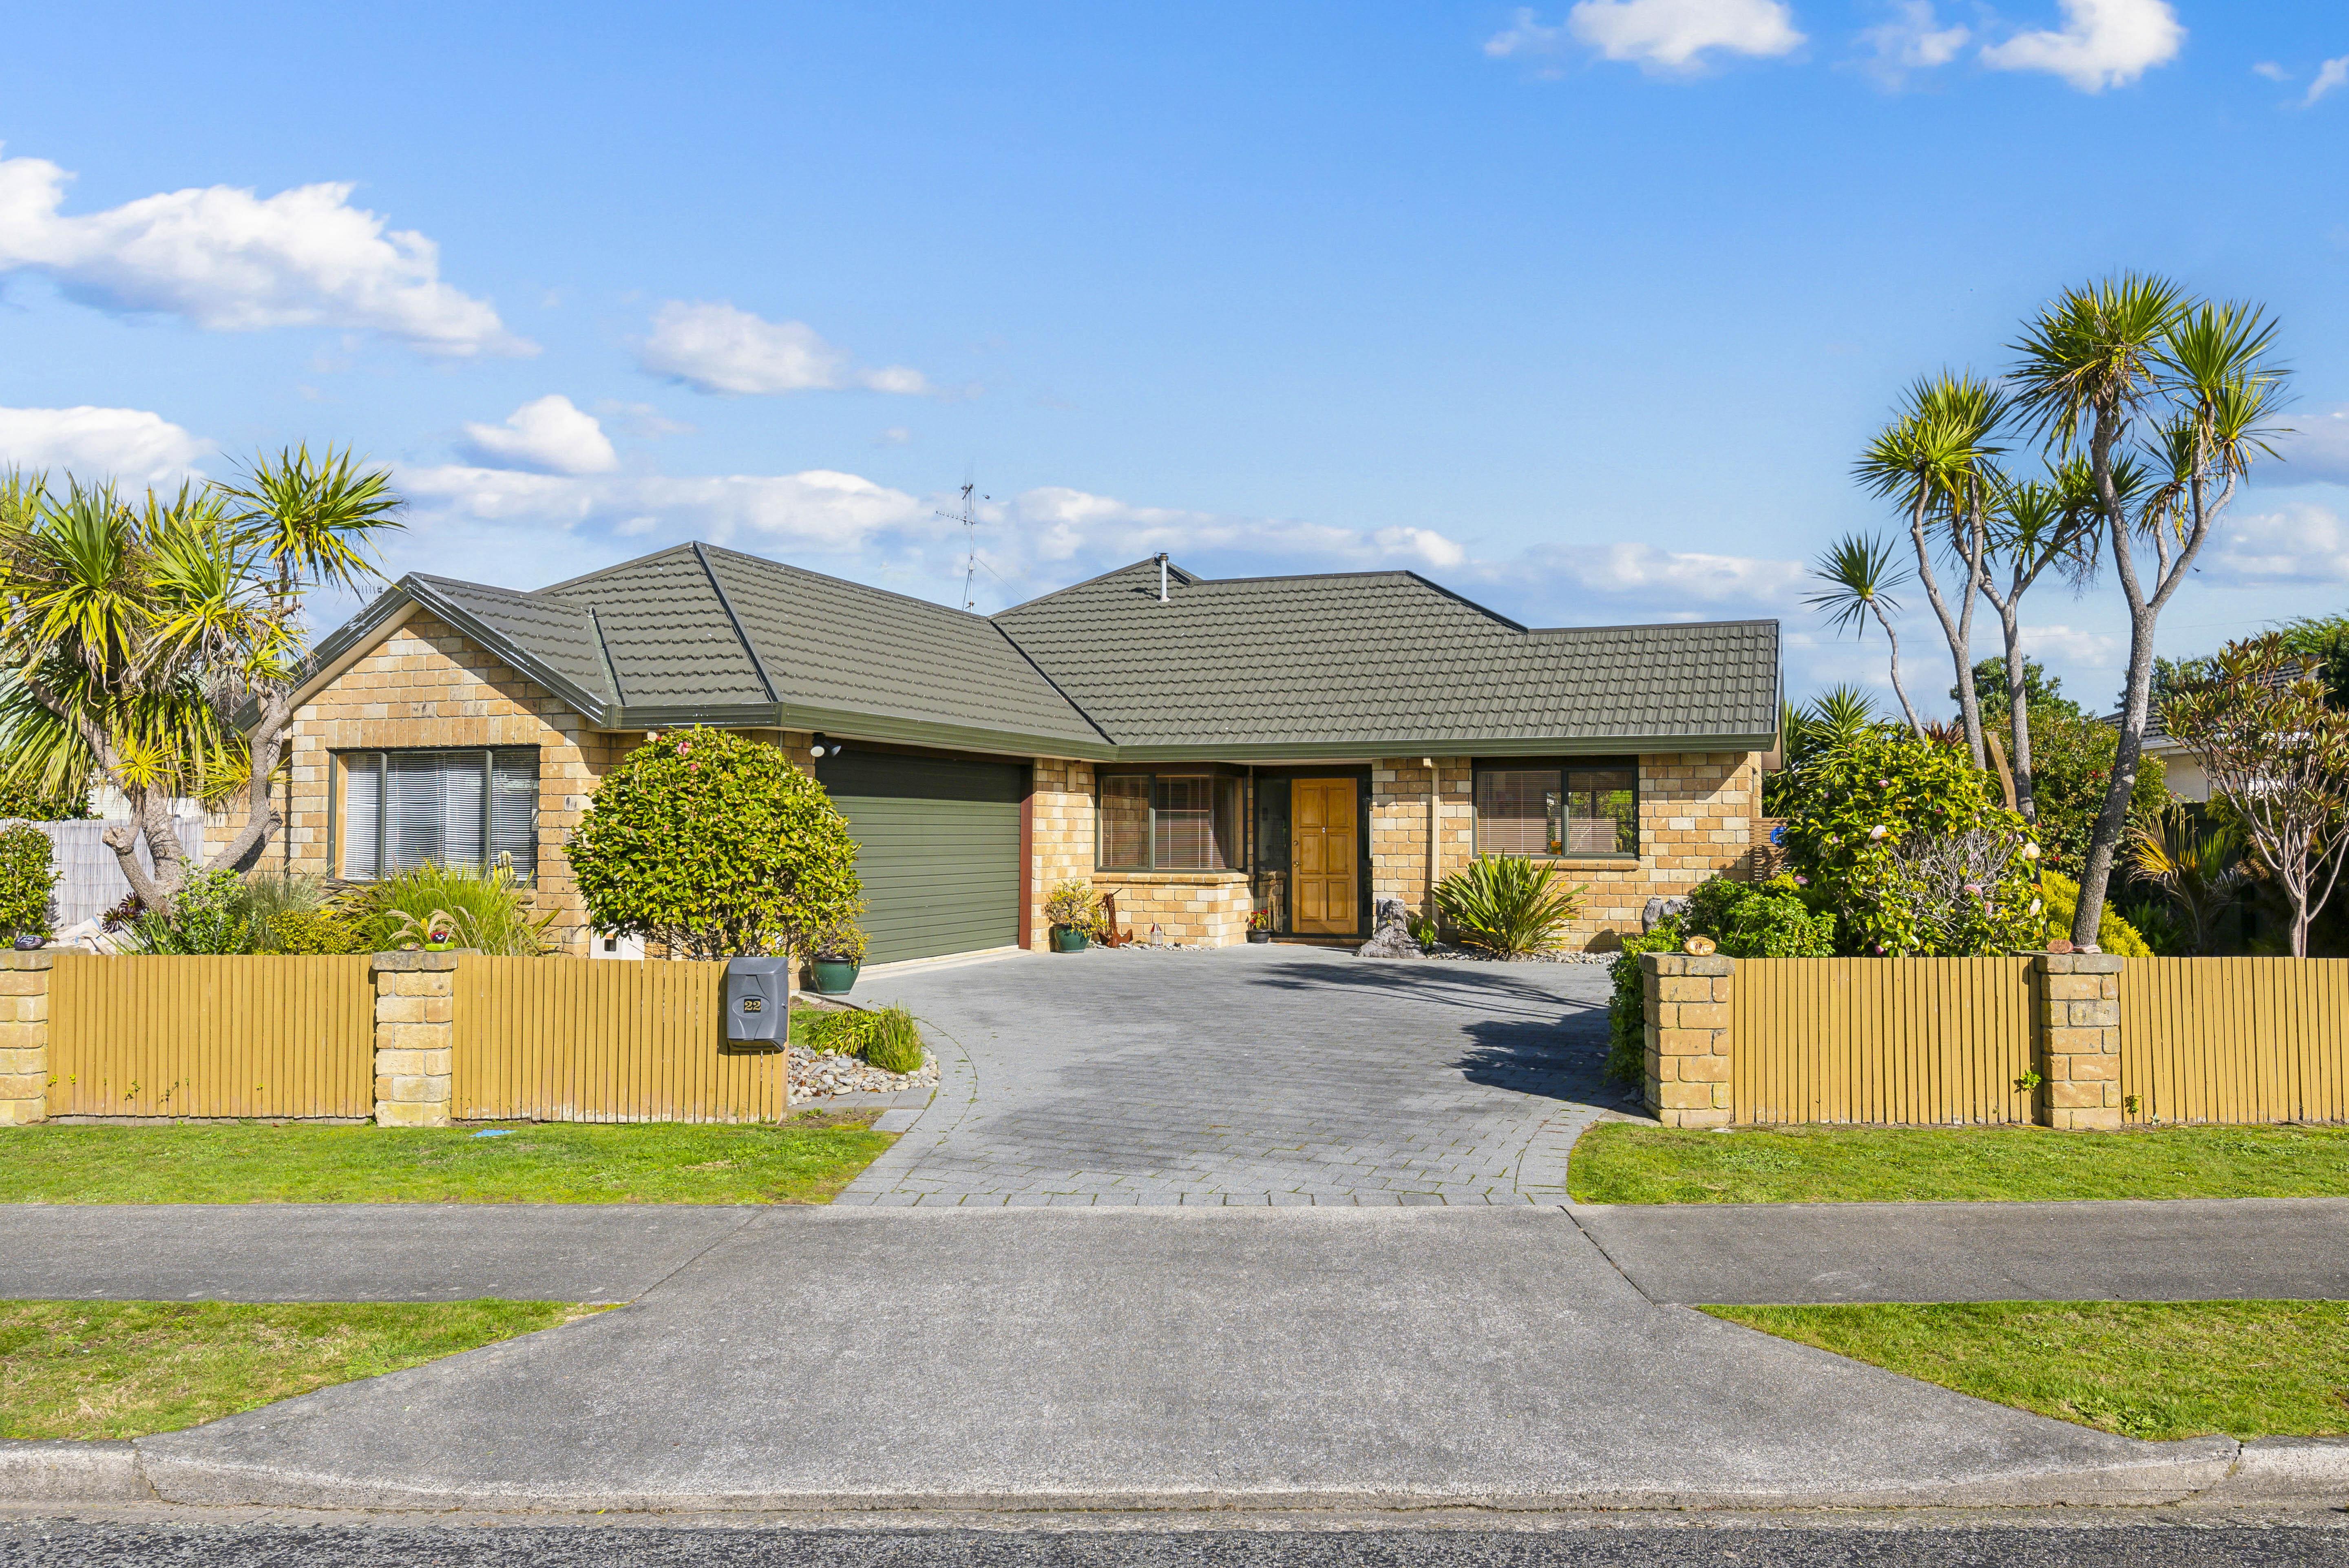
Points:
(1247, 1075)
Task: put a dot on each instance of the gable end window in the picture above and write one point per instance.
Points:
(1564, 809)
(401, 808)
(1169, 822)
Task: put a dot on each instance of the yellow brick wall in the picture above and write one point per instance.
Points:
(426, 685)
(1195, 909)
(1696, 811)
(1061, 836)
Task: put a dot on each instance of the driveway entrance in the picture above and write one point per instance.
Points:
(1247, 1075)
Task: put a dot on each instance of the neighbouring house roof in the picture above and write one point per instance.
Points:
(1237, 668)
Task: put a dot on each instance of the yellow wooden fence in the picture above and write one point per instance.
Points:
(1905, 1040)
(211, 1036)
(578, 1039)
(2235, 1039)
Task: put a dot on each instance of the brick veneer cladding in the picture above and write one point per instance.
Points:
(426, 685)
(1696, 816)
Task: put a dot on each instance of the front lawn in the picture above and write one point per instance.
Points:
(803, 1161)
(2143, 1370)
(87, 1370)
(1617, 1162)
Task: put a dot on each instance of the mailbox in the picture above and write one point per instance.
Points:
(758, 1001)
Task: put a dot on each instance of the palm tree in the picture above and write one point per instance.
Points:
(2036, 524)
(1936, 458)
(2098, 362)
(1859, 574)
(156, 645)
(2199, 868)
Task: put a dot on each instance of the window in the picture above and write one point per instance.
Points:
(1531, 809)
(401, 808)
(1170, 823)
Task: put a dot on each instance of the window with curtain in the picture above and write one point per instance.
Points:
(1170, 823)
(1530, 809)
(401, 808)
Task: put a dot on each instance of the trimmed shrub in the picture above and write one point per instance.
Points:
(1746, 920)
(1902, 840)
(1508, 905)
(2114, 934)
(312, 933)
(714, 845)
(29, 881)
(210, 914)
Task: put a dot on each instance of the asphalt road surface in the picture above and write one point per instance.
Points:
(2308, 1541)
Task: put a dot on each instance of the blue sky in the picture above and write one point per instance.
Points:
(1582, 310)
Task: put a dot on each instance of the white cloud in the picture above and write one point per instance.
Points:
(2333, 74)
(1678, 584)
(1663, 35)
(640, 419)
(2296, 545)
(2273, 72)
(2075, 644)
(894, 436)
(548, 435)
(713, 347)
(1912, 40)
(128, 446)
(228, 260)
(2102, 44)
(819, 509)
(2317, 450)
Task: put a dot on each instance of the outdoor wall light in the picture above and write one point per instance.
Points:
(823, 745)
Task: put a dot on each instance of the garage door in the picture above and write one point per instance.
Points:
(937, 846)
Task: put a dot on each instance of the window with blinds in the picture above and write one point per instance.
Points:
(401, 808)
(1180, 822)
(1529, 808)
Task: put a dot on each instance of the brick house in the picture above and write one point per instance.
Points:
(1199, 748)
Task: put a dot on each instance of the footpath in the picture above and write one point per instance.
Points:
(1530, 1357)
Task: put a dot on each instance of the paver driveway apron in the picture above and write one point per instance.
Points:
(1264, 1074)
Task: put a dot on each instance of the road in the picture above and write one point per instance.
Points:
(1581, 1541)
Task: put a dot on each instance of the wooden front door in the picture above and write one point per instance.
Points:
(1324, 894)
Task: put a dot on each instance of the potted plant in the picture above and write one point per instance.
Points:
(1072, 907)
(835, 952)
(1259, 925)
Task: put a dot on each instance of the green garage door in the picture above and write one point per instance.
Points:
(938, 848)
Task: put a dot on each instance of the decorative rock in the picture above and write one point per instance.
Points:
(1659, 910)
(1391, 933)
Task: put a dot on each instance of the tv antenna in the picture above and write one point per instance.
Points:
(970, 520)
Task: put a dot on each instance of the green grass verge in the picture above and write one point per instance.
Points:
(1622, 1163)
(803, 1161)
(87, 1370)
(2143, 1370)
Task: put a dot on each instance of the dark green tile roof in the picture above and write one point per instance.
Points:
(1380, 655)
(1244, 666)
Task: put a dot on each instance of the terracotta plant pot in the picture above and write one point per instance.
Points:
(833, 976)
(1069, 938)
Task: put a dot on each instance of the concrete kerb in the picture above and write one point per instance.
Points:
(2286, 1471)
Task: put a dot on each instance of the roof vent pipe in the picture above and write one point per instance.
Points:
(1162, 577)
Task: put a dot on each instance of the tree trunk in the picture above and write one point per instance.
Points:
(267, 744)
(1952, 628)
(1898, 689)
(2103, 841)
(2018, 702)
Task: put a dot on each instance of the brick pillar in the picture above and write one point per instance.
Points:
(414, 1030)
(2080, 1040)
(23, 1036)
(1687, 1008)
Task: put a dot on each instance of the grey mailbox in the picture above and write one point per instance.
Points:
(757, 1000)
